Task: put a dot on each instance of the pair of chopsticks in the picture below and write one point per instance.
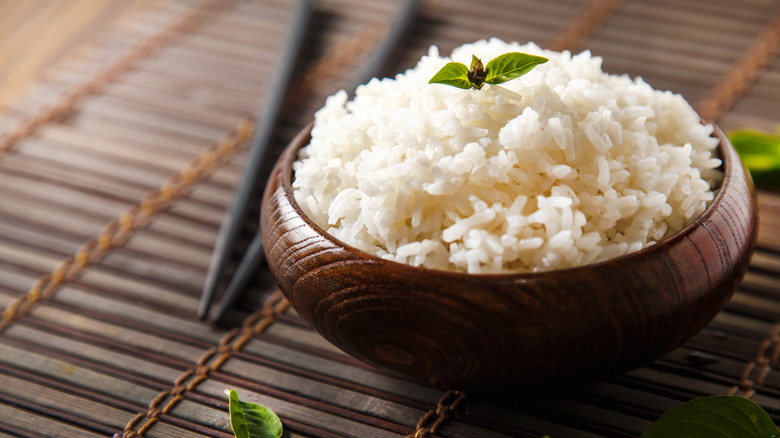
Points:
(247, 191)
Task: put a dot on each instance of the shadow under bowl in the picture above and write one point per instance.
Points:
(502, 332)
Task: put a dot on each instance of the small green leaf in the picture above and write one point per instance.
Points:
(510, 66)
(455, 74)
(499, 70)
(250, 420)
(760, 153)
(719, 416)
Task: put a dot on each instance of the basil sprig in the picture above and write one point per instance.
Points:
(760, 153)
(499, 70)
(250, 420)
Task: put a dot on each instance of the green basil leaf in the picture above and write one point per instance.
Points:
(510, 66)
(720, 416)
(250, 420)
(455, 74)
(760, 153)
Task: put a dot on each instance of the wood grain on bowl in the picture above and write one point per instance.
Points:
(501, 332)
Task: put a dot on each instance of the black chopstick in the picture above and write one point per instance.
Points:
(375, 66)
(234, 220)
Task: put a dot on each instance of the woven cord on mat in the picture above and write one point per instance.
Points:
(67, 101)
(756, 371)
(116, 233)
(434, 419)
(233, 341)
(585, 24)
(736, 82)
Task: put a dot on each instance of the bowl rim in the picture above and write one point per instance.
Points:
(730, 164)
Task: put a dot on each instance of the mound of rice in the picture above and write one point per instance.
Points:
(562, 167)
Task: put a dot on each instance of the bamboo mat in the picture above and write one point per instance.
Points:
(117, 167)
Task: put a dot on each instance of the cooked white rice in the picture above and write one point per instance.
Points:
(562, 167)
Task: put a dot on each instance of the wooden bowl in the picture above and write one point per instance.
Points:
(494, 333)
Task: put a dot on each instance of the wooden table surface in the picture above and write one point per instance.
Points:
(123, 129)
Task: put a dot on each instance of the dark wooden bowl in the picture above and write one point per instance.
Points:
(492, 333)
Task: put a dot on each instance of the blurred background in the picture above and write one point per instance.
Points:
(37, 34)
